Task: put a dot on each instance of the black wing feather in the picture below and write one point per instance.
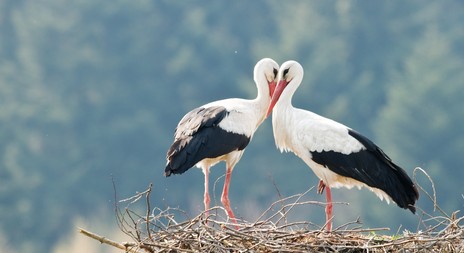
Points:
(374, 168)
(198, 136)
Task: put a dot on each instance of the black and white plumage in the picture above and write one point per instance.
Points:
(199, 136)
(338, 155)
(220, 131)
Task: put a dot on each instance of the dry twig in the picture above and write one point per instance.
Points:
(159, 231)
(128, 247)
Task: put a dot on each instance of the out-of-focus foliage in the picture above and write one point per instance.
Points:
(92, 90)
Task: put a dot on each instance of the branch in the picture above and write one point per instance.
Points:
(127, 247)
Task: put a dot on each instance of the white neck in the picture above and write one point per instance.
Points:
(262, 100)
(282, 115)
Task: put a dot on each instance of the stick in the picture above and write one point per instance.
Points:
(147, 219)
(127, 247)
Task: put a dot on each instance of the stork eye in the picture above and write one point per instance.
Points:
(285, 72)
(275, 72)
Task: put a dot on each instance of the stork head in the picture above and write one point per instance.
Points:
(266, 69)
(291, 72)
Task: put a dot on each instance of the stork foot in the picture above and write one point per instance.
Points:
(225, 197)
(226, 203)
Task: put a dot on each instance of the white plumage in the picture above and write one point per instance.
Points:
(337, 154)
(220, 131)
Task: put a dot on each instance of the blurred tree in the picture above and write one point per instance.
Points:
(91, 90)
(422, 121)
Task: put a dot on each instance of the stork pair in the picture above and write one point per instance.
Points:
(338, 155)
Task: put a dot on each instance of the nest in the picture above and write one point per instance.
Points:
(157, 230)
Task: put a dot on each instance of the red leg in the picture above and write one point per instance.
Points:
(225, 196)
(206, 199)
(328, 209)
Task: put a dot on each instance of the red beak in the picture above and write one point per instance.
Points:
(272, 86)
(276, 95)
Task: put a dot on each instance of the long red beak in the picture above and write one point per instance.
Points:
(272, 86)
(276, 95)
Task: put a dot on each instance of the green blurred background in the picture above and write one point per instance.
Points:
(91, 91)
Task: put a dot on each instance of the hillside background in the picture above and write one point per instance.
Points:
(91, 91)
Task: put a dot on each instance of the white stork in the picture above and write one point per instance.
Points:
(220, 131)
(337, 154)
